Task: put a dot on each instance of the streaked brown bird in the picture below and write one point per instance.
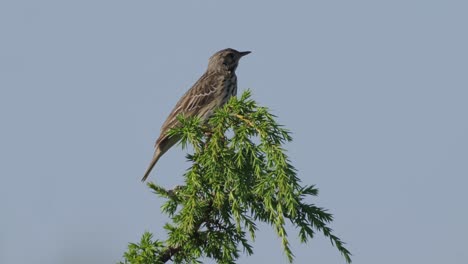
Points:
(211, 91)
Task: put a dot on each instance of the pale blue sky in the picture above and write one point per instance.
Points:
(375, 93)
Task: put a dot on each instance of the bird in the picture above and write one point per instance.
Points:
(212, 90)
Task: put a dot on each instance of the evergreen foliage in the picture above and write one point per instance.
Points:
(240, 176)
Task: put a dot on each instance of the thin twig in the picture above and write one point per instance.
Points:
(250, 123)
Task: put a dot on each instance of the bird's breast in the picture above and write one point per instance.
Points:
(230, 88)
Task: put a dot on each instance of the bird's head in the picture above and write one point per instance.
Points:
(225, 60)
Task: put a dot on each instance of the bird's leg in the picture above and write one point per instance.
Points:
(208, 134)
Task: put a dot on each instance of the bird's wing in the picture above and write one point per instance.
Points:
(201, 93)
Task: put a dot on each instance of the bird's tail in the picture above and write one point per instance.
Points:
(157, 154)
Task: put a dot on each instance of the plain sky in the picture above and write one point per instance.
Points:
(375, 93)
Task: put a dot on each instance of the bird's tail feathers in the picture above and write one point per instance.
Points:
(157, 155)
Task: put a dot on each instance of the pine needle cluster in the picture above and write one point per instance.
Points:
(240, 176)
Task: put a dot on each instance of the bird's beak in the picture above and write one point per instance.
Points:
(243, 53)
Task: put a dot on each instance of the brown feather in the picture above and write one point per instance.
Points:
(211, 91)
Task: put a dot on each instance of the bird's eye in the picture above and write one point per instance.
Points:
(228, 59)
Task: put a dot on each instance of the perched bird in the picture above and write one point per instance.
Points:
(211, 91)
